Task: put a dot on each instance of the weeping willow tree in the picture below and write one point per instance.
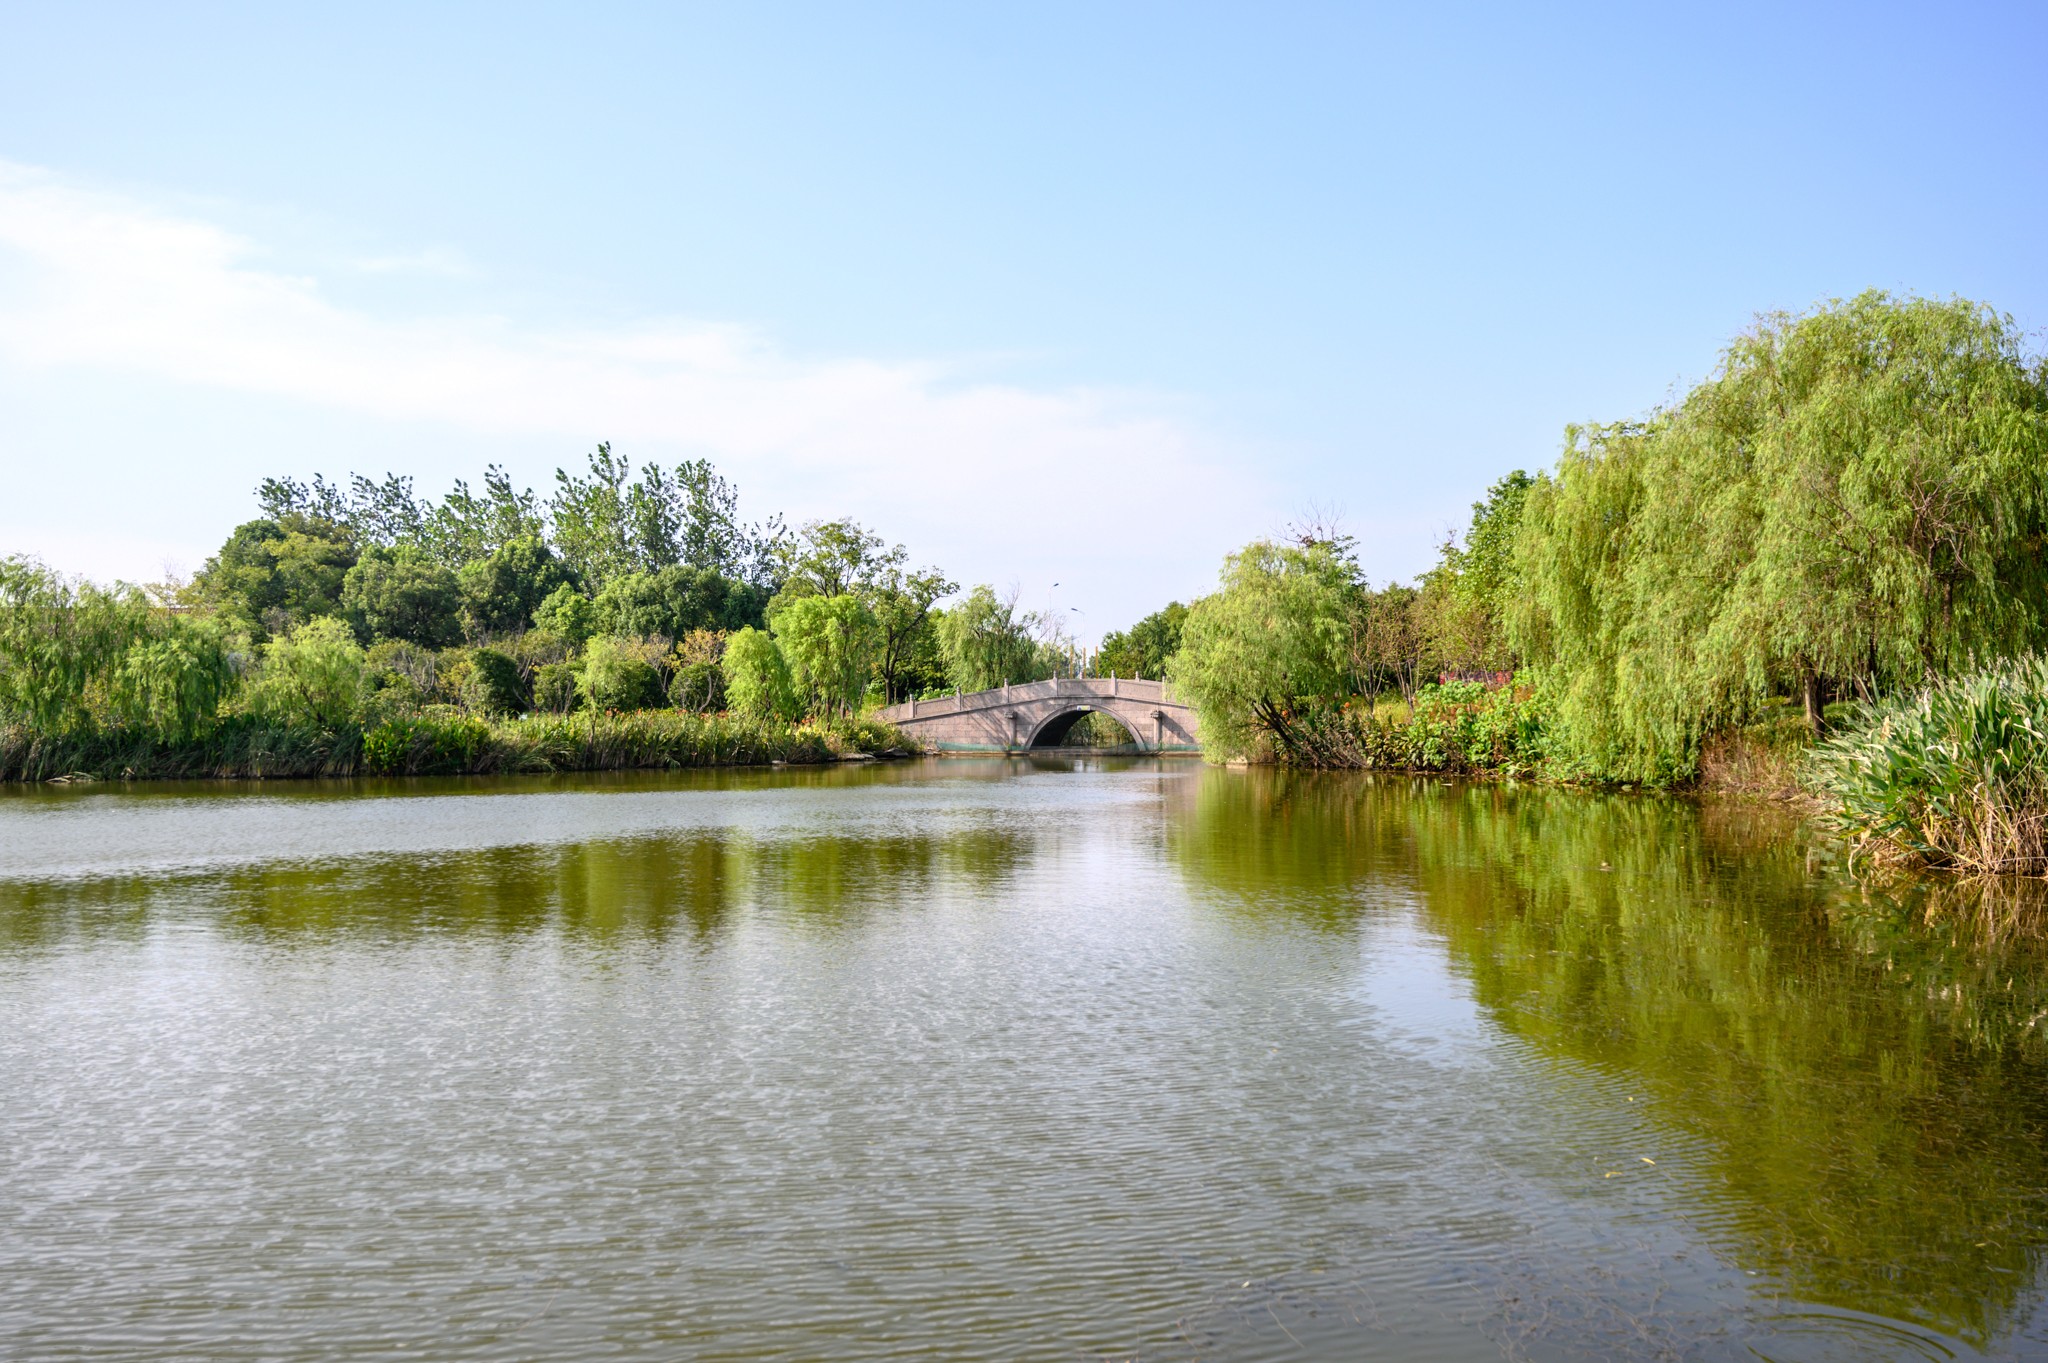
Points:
(1854, 502)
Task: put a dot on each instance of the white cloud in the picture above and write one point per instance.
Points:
(995, 480)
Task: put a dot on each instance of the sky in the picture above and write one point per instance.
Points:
(1085, 295)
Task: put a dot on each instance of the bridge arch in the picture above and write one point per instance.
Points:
(1052, 730)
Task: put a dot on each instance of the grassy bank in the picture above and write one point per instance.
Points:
(437, 743)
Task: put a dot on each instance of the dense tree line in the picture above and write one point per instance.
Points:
(357, 602)
(1855, 503)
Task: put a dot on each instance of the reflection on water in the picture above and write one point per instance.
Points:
(1040, 1059)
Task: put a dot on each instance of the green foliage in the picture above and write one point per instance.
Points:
(617, 676)
(402, 594)
(75, 657)
(1269, 650)
(608, 522)
(501, 591)
(1955, 775)
(829, 642)
(425, 745)
(277, 572)
(697, 687)
(1856, 499)
(986, 643)
(173, 678)
(674, 600)
(757, 680)
(313, 676)
(568, 614)
(493, 686)
(554, 688)
(907, 653)
(1144, 649)
(1464, 602)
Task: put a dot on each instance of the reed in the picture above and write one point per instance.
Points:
(437, 741)
(1952, 776)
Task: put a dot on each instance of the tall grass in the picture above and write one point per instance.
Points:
(437, 741)
(1954, 776)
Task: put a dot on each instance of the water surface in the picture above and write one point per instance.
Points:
(964, 1059)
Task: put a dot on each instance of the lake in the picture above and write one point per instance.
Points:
(1075, 1058)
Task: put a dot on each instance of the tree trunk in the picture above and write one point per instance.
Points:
(1809, 695)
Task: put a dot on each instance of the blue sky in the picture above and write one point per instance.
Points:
(1086, 294)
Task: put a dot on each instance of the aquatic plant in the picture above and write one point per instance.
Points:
(1954, 775)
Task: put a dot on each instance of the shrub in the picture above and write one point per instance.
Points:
(1955, 775)
(493, 686)
(616, 677)
(440, 743)
(554, 688)
(697, 686)
(314, 675)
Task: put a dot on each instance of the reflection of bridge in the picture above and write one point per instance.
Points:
(1039, 714)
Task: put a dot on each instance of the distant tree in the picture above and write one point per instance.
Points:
(74, 656)
(675, 600)
(402, 594)
(1464, 601)
(1142, 650)
(986, 642)
(501, 591)
(467, 528)
(493, 686)
(313, 675)
(906, 641)
(274, 573)
(829, 642)
(617, 676)
(1271, 648)
(568, 614)
(757, 681)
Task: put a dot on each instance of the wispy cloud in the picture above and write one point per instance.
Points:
(105, 281)
(436, 260)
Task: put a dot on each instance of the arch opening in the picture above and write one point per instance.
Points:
(1084, 727)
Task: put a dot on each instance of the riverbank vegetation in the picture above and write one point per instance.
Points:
(1839, 525)
(631, 619)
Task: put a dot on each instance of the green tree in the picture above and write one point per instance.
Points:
(1143, 650)
(1464, 601)
(313, 675)
(403, 594)
(273, 573)
(985, 642)
(829, 642)
(568, 614)
(1271, 650)
(173, 678)
(501, 591)
(675, 600)
(1856, 500)
(906, 641)
(617, 677)
(757, 682)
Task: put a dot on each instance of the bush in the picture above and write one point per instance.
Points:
(314, 675)
(493, 686)
(1954, 776)
(615, 677)
(554, 688)
(697, 686)
(425, 745)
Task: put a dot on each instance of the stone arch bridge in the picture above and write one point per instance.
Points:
(1039, 714)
